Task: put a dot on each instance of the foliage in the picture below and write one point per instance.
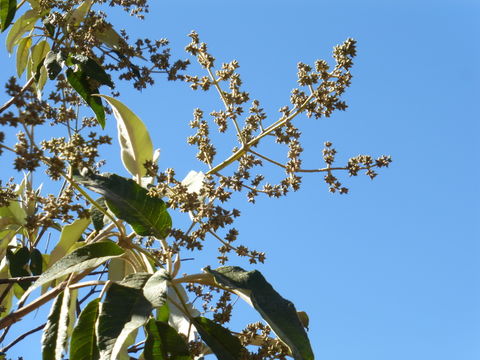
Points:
(121, 252)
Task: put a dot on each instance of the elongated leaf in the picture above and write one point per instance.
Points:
(97, 216)
(219, 339)
(55, 332)
(124, 310)
(25, 23)
(79, 82)
(6, 303)
(155, 289)
(53, 64)
(148, 216)
(279, 313)
(36, 262)
(136, 145)
(86, 257)
(177, 319)
(69, 236)
(83, 344)
(18, 262)
(77, 15)
(35, 65)
(38, 54)
(23, 54)
(164, 343)
(8, 8)
(91, 69)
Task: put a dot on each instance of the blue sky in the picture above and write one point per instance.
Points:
(391, 270)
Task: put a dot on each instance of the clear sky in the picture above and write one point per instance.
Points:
(391, 270)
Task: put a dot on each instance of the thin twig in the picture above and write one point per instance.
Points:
(23, 336)
(12, 100)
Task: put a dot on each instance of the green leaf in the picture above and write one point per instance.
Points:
(36, 262)
(83, 344)
(86, 257)
(22, 54)
(155, 289)
(79, 82)
(53, 64)
(163, 313)
(219, 339)
(6, 302)
(97, 216)
(124, 309)
(136, 145)
(25, 23)
(164, 343)
(18, 262)
(8, 8)
(35, 65)
(55, 332)
(77, 15)
(279, 313)
(90, 68)
(70, 235)
(147, 215)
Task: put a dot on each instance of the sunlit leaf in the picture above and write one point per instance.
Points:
(136, 145)
(86, 257)
(77, 15)
(83, 343)
(177, 319)
(219, 339)
(8, 8)
(70, 235)
(147, 215)
(5, 289)
(278, 312)
(124, 309)
(25, 23)
(55, 331)
(164, 343)
(155, 289)
(23, 54)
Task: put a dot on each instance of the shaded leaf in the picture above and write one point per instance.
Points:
(55, 332)
(23, 54)
(36, 262)
(90, 68)
(83, 344)
(279, 313)
(81, 85)
(136, 145)
(219, 339)
(163, 342)
(18, 262)
(124, 310)
(8, 8)
(97, 216)
(25, 23)
(147, 215)
(53, 64)
(86, 257)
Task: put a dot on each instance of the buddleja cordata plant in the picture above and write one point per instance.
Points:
(113, 276)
